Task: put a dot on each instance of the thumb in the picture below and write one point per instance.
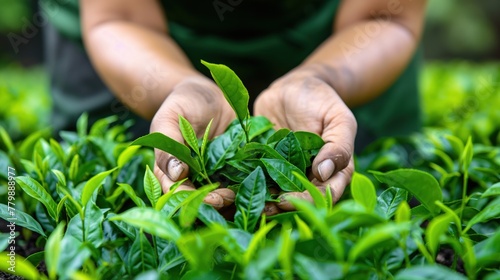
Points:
(339, 134)
(172, 167)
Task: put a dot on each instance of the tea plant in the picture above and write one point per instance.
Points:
(93, 217)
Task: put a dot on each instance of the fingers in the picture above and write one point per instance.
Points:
(339, 133)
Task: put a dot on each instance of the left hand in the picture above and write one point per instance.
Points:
(302, 101)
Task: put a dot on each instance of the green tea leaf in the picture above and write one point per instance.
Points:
(492, 191)
(204, 141)
(305, 232)
(389, 200)
(169, 145)
(317, 196)
(22, 219)
(223, 148)
(257, 239)
(4, 136)
(192, 203)
(21, 268)
(403, 212)
(250, 200)
(490, 211)
(231, 86)
(488, 251)
(309, 141)
(126, 155)
(375, 237)
(164, 198)
(467, 154)
(208, 215)
(429, 272)
(436, 228)
(60, 177)
(421, 184)
(93, 184)
(82, 125)
(32, 188)
(281, 172)
(363, 191)
(90, 230)
(258, 125)
(152, 187)
(289, 148)
(152, 221)
(53, 250)
(198, 247)
(277, 136)
(131, 193)
(141, 256)
(253, 149)
(73, 168)
(189, 134)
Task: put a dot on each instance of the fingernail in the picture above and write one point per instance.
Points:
(174, 169)
(325, 169)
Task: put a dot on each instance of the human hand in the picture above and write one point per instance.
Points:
(198, 100)
(302, 101)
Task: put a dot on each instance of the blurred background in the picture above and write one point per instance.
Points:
(459, 81)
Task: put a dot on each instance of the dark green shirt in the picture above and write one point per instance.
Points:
(262, 40)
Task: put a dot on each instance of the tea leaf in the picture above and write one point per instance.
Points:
(131, 193)
(421, 184)
(188, 134)
(169, 145)
(82, 125)
(281, 172)
(223, 147)
(32, 188)
(258, 125)
(204, 142)
(53, 250)
(141, 256)
(277, 136)
(192, 203)
(257, 239)
(93, 184)
(126, 155)
(73, 168)
(375, 236)
(250, 200)
(253, 149)
(166, 196)
(490, 211)
(363, 191)
(231, 86)
(429, 272)
(289, 148)
(22, 267)
(493, 190)
(22, 219)
(208, 215)
(437, 227)
(467, 154)
(152, 221)
(152, 187)
(91, 229)
(317, 196)
(403, 212)
(390, 199)
(309, 141)
(488, 251)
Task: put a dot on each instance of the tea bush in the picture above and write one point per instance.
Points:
(422, 207)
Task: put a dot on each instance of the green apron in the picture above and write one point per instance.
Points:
(261, 41)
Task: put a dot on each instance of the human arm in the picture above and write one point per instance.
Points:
(128, 44)
(344, 72)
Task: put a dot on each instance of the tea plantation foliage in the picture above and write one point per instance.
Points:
(426, 206)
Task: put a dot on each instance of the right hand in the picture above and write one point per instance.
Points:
(198, 100)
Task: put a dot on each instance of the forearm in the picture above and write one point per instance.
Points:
(139, 64)
(360, 65)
